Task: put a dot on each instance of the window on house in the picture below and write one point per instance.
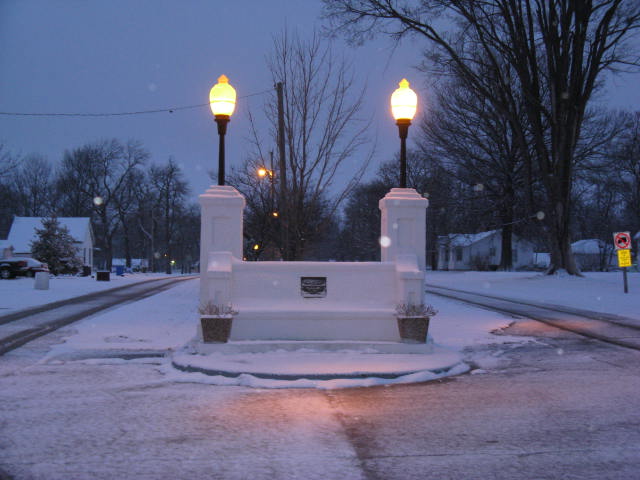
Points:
(492, 251)
(458, 254)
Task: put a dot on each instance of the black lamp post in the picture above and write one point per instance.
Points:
(222, 121)
(403, 106)
(222, 99)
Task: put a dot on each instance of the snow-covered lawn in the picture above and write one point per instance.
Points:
(19, 293)
(601, 292)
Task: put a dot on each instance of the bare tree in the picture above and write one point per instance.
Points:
(101, 172)
(557, 49)
(34, 186)
(8, 203)
(625, 156)
(8, 162)
(477, 145)
(170, 191)
(325, 134)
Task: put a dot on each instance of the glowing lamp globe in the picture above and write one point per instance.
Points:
(222, 97)
(404, 102)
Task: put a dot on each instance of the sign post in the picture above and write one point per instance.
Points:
(622, 242)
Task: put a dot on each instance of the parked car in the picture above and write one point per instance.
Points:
(21, 266)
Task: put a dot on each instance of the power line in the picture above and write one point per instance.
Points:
(121, 114)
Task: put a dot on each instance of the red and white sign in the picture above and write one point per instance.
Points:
(622, 240)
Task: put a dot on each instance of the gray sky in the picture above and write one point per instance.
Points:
(133, 55)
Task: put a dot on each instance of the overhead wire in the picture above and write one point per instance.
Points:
(121, 114)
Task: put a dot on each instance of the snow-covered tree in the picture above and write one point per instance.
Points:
(55, 247)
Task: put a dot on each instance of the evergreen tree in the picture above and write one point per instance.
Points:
(55, 247)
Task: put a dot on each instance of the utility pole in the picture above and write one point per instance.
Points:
(284, 212)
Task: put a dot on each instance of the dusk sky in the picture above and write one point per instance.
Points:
(68, 56)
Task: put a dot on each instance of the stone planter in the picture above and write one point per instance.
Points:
(216, 328)
(413, 329)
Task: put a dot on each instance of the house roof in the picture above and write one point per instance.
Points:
(23, 230)
(466, 239)
(590, 246)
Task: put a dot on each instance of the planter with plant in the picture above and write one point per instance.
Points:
(413, 321)
(216, 322)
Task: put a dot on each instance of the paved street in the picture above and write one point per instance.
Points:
(563, 407)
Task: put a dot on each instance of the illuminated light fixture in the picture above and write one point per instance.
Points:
(222, 100)
(256, 247)
(263, 172)
(275, 214)
(222, 97)
(404, 102)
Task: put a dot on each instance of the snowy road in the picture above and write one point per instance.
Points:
(560, 407)
(537, 414)
(20, 327)
(615, 329)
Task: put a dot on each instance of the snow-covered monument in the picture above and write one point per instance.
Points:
(313, 300)
(307, 301)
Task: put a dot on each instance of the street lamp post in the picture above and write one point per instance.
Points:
(403, 107)
(222, 99)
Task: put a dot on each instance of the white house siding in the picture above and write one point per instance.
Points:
(23, 232)
(468, 252)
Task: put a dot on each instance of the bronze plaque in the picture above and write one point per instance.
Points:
(313, 287)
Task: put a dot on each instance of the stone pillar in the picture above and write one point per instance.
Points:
(403, 229)
(220, 240)
(220, 221)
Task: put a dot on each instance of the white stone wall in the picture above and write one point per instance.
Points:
(361, 297)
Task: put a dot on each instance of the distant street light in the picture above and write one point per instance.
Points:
(263, 172)
(403, 107)
(268, 172)
(222, 99)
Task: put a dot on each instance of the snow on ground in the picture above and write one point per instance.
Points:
(168, 321)
(19, 293)
(601, 291)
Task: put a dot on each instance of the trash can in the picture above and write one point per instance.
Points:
(103, 276)
(120, 270)
(41, 281)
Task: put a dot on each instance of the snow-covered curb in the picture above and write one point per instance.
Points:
(249, 380)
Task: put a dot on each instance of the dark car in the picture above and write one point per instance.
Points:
(21, 266)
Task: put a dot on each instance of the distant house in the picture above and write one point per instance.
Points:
(541, 260)
(23, 232)
(593, 255)
(480, 251)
